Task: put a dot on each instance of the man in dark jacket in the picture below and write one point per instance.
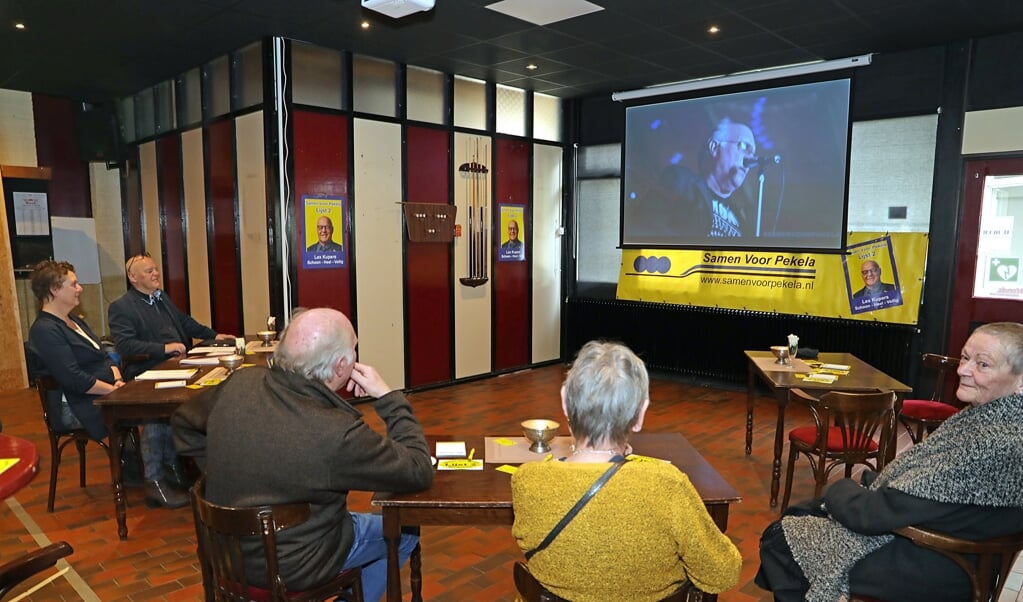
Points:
(144, 323)
(281, 435)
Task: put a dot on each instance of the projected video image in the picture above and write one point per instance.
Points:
(763, 168)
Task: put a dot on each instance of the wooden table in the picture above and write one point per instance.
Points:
(141, 400)
(21, 473)
(862, 377)
(484, 498)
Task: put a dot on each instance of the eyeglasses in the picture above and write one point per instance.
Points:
(318, 228)
(134, 258)
(869, 272)
(746, 148)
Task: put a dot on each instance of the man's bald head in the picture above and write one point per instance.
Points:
(315, 342)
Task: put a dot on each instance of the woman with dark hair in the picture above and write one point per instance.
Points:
(72, 354)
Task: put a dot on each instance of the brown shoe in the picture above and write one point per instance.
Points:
(160, 493)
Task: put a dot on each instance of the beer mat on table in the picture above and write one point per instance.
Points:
(258, 347)
(769, 364)
(498, 451)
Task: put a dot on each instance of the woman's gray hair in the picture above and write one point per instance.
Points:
(318, 349)
(1011, 335)
(604, 392)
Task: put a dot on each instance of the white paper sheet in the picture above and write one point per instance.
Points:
(167, 374)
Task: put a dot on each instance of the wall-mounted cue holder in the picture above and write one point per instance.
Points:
(430, 222)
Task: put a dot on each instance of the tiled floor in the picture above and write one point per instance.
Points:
(157, 562)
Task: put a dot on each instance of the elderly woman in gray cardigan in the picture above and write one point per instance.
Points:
(965, 480)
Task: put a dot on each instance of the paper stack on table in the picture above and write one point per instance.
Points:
(167, 374)
(450, 449)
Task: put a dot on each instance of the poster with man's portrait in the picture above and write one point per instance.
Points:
(323, 234)
(512, 233)
(871, 276)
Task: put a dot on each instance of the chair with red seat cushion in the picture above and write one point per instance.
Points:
(848, 429)
(219, 531)
(922, 416)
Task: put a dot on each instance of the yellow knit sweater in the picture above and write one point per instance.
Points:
(639, 538)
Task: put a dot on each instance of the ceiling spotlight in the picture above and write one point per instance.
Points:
(532, 67)
(19, 26)
(365, 25)
(713, 29)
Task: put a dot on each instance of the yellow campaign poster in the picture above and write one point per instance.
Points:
(880, 278)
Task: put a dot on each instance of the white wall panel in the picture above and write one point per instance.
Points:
(193, 174)
(105, 186)
(377, 236)
(17, 129)
(252, 222)
(993, 131)
(547, 189)
(473, 316)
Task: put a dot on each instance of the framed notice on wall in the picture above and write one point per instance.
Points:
(31, 215)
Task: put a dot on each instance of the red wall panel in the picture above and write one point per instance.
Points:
(428, 275)
(168, 162)
(511, 278)
(320, 144)
(57, 148)
(225, 286)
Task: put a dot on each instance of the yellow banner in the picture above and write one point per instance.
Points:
(879, 279)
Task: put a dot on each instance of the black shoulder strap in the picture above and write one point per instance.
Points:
(575, 509)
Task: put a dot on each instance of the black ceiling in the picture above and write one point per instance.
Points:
(101, 49)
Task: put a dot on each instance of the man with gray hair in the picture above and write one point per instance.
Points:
(282, 435)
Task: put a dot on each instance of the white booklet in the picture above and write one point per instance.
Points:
(450, 449)
(201, 361)
(167, 374)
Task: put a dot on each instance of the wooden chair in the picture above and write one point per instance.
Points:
(987, 563)
(17, 571)
(848, 429)
(922, 416)
(219, 531)
(61, 435)
(532, 590)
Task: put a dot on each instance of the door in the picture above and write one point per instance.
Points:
(988, 285)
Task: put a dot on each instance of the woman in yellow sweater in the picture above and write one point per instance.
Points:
(646, 532)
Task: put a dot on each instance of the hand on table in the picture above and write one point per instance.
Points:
(174, 349)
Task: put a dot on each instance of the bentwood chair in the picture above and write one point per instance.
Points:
(922, 416)
(61, 435)
(532, 590)
(19, 570)
(219, 531)
(848, 429)
(987, 562)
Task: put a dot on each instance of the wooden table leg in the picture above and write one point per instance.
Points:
(415, 565)
(751, 387)
(392, 535)
(116, 478)
(782, 395)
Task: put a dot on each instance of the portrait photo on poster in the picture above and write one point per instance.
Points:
(761, 168)
(323, 234)
(512, 233)
(872, 276)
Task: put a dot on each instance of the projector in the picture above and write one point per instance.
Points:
(398, 8)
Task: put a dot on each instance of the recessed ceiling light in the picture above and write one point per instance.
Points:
(713, 29)
(19, 26)
(532, 67)
(365, 24)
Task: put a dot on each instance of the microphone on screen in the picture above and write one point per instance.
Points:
(765, 160)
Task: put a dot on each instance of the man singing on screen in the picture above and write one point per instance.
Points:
(687, 205)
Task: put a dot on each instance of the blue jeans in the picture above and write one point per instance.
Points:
(369, 551)
(157, 449)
